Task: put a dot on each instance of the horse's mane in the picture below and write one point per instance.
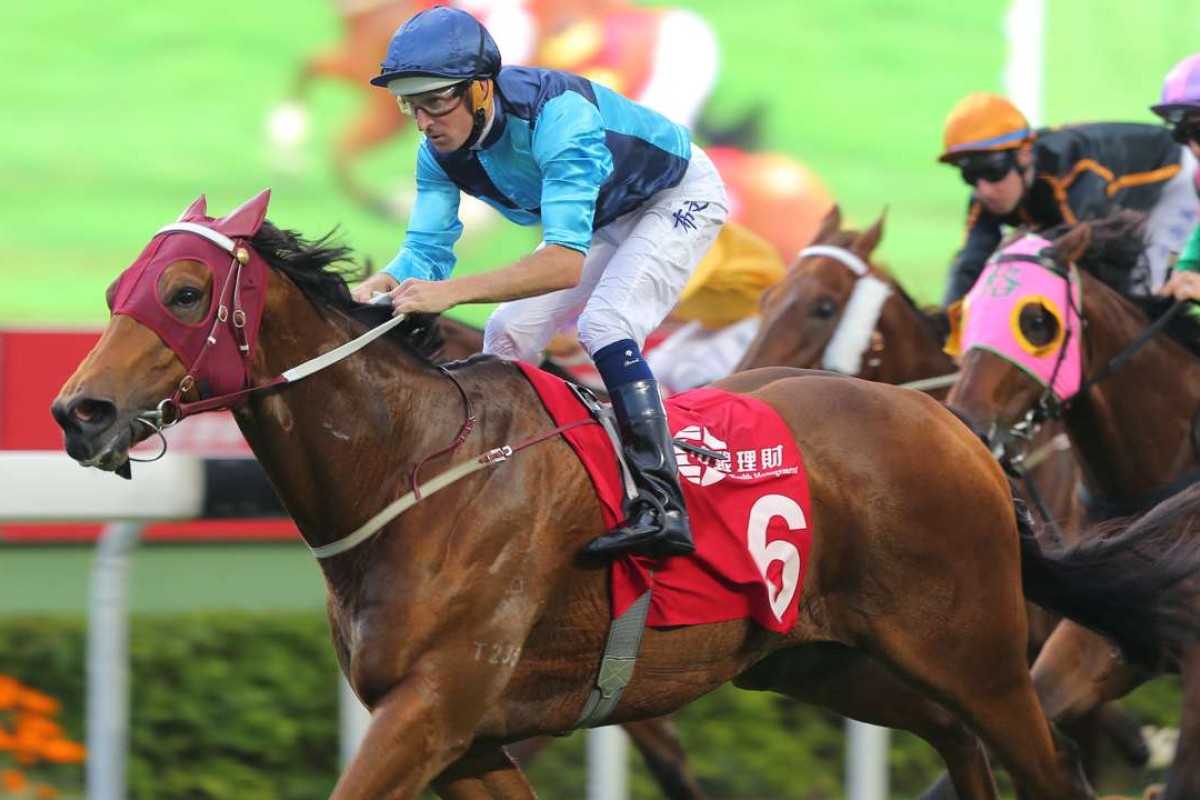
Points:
(1114, 251)
(1114, 256)
(322, 269)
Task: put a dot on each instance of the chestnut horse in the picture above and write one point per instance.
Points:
(913, 593)
(801, 315)
(1137, 445)
(836, 309)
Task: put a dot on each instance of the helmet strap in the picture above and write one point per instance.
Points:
(477, 99)
(475, 95)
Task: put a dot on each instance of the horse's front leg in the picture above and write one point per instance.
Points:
(430, 682)
(419, 727)
(484, 774)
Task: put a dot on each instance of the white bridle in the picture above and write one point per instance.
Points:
(850, 341)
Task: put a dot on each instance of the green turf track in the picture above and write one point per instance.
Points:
(117, 115)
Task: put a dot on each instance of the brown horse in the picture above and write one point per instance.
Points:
(912, 602)
(811, 320)
(836, 309)
(803, 312)
(1136, 445)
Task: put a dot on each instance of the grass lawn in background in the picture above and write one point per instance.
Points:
(122, 114)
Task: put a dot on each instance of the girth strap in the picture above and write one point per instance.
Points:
(604, 414)
(617, 663)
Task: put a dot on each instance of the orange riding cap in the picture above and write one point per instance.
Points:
(982, 122)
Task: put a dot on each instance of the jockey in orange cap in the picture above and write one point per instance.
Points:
(1047, 177)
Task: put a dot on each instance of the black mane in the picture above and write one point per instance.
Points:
(322, 269)
(1114, 256)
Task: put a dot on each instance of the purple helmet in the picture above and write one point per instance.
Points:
(1181, 91)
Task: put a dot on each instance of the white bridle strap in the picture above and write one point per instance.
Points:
(397, 507)
(341, 351)
(220, 240)
(840, 254)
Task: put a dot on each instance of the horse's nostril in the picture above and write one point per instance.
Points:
(84, 414)
(89, 410)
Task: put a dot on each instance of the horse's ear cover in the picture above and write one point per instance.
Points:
(197, 210)
(245, 220)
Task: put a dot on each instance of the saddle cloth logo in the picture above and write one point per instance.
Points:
(692, 467)
(740, 465)
(750, 512)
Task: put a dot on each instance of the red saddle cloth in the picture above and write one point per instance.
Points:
(749, 513)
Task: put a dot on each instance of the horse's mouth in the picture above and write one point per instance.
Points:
(113, 454)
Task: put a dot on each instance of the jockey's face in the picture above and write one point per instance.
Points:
(448, 130)
(1001, 194)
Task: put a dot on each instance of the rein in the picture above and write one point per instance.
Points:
(1151, 330)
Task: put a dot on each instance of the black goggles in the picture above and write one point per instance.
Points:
(1185, 132)
(990, 167)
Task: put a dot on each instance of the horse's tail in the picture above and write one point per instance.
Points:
(1128, 580)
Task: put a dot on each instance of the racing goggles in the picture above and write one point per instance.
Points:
(437, 103)
(1188, 131)
(991, 166)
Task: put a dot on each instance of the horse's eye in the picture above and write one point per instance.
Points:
(186, 297)
(824, 308)
(1038, 325)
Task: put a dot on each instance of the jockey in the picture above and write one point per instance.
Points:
(1179, 107)
(628, 208)
(1052, 176)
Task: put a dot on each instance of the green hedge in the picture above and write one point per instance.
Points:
(241, 705)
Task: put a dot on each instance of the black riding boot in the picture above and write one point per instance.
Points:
(656, 522)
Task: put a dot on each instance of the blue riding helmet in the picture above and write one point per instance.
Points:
(437, 48)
